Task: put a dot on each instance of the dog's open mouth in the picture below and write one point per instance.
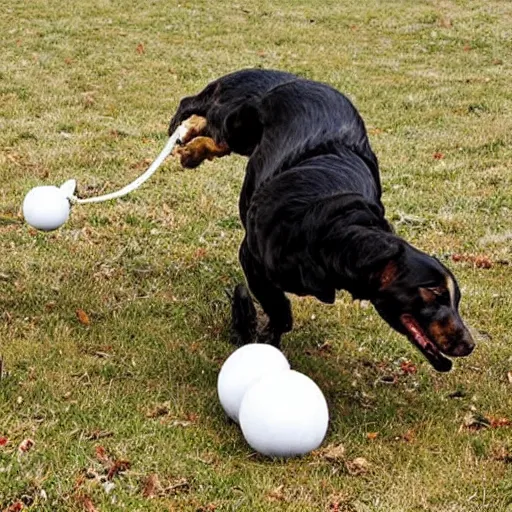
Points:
(425, 344)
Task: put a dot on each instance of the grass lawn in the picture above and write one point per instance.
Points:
(113, 328)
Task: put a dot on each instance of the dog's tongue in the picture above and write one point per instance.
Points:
(425, 345)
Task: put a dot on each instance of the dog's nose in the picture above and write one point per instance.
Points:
(464, 347)
(462, 350)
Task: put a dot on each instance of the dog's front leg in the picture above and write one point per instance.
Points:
(273, 300)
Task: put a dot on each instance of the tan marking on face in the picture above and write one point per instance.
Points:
(443, 333)
(451, 290)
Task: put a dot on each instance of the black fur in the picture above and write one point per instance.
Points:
(312, 212)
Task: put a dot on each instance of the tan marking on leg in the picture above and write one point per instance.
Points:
(195, 126)
(200, 149)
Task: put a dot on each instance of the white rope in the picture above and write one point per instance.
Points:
(173, 140)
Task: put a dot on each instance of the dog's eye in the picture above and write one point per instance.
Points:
(432, 293)
(437, 290)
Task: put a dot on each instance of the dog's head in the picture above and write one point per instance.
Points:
(419, 297)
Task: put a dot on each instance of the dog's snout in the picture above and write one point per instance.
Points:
(462, 349)
(465, 346)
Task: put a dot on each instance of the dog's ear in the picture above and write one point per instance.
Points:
(243, 128)
(370, 250)
(370, 258)
(388, 274)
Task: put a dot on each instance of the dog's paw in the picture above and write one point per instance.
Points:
(269, 335)
(199, 149)
(189, 156)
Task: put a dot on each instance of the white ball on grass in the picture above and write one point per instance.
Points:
(46, 208)
(284, 414)
(243, 368)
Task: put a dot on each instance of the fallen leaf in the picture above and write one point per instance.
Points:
(83, 317)
(15, 507)
(26, 445)
(333, 453)
(499, 422)
(438, 156)
(409, 436)
(478, 260)
(200, 253)
(3, 441)
(152, 486)
(207, 508)
(50, 306)
(372, 435)
(357, 466)
(277, 494)
(118, 466)
(87, 504)
(101, 455)
(192, 417)
(325, 347)
(482, 262)
(158, 411)
(475, 421)
(142, 164)
(502, 454)
(140, 49)
(340, 502)
(408, 368)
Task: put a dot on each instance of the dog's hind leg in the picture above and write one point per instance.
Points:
(196, 146)
(274, 302)
(243, 317)
(198, 150)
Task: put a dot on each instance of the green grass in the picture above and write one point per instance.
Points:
(86, 91)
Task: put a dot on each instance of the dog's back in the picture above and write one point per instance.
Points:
(316, 132)
(304, 118)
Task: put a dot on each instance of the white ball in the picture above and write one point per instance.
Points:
(284, 415)
(243, 368)
(46, 208)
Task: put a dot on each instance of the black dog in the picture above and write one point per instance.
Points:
(312, 212)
